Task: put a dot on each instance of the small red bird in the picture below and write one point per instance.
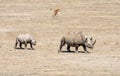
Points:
(56, 11)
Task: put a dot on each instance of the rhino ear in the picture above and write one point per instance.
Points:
(86, 39)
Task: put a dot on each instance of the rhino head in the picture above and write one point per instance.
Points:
(33, 42)
(89, 42)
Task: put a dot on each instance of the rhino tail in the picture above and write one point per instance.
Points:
(62, 43)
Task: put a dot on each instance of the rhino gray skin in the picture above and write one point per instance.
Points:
(76, 39)
(25, 39)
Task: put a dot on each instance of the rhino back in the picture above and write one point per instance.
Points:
(24, 38)
(28, 37)
(79, 39)
(74, 38)
(69, 39)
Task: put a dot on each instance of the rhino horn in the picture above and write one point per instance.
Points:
(94, 42)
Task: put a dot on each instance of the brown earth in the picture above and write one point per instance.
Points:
(97, 18)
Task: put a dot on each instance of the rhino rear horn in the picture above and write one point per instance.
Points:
(94, 42)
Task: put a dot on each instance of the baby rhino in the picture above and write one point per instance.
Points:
(76, 39)
(25, 39)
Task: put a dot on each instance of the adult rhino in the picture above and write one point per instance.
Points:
(76, 39)
(25, 39)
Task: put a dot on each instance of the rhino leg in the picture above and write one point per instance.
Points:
(31, 45)
(84, 47)
(16, 45)
(76, 49)
(68, 48)
(61, 45)
(25, 45)
(20, 45)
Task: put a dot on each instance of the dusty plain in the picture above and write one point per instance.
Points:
(97, 18)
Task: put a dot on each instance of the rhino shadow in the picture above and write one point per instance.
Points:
(20, 48)
(64, 51)
(24, 48)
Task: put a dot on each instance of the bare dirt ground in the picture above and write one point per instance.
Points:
(97, 18)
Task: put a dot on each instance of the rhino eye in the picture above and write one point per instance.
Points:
(86, 39)
(91, 38)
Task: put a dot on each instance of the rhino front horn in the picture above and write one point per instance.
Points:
(94, 42)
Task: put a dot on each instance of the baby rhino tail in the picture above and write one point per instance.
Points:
(62, 43)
